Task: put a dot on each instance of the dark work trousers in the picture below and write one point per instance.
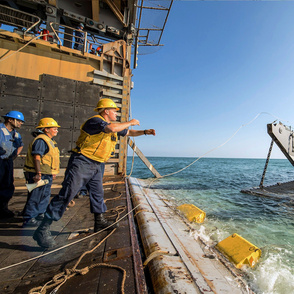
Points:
(38, 199)
(81, 171)
(6, 182)
(79, 42)
(84, 191)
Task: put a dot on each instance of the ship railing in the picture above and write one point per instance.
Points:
(16, 18)
(65, 37)
(27, 24)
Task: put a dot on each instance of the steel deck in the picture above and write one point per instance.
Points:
(177, 262)
(119, 249)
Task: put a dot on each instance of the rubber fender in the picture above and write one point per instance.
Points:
(239, 251)
(192, 213)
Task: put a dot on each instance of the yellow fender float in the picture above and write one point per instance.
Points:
(239, 251)
(192, 213)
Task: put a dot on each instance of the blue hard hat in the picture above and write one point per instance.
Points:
(14, 114)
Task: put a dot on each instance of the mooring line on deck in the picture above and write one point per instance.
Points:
(69, 273)
(68, 245)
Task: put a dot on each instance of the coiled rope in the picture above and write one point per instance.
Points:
(68, 245)
(59, 279)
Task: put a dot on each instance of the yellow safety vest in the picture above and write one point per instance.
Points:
(98, 147)
(50, 162)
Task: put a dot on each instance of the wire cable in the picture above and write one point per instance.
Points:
(21, 48)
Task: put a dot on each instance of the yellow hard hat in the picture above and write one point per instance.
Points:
(106, 103)
(47, 122)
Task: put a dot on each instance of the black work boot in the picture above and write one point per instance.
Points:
(43, 235)
(101, 223)
(40, 217)
(4, 211)
(33, 222)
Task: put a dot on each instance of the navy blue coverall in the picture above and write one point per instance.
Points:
(9, 143)
(79, 42)
(82, 171)
(38, 199)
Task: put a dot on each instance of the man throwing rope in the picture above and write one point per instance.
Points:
(95, 146)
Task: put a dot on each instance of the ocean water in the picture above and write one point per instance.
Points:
(214, 185)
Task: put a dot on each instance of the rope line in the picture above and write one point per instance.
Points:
(154, 255)
(68, 245)
(213, 149)
(133, 158)
(59, 279)
(114, 198)
(21, 48)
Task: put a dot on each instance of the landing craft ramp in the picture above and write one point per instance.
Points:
(284, 191)
(283, 136)
(179, 262)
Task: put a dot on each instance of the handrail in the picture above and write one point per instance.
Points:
(32, 23)
(59, 32)
(144, 40)
(53, 30)
(18, 18)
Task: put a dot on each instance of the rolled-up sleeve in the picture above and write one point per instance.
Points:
(39, 147)
(95, 126)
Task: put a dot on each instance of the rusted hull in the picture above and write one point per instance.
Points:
(179, 263)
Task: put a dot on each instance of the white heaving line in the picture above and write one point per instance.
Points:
(143, 158)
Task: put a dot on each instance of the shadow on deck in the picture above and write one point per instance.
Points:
(116, 256)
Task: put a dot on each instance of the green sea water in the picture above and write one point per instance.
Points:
(214, 185)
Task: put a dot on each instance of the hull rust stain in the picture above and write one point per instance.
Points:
(183, 265)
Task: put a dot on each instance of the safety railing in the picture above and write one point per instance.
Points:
(16, 18)
(61, 34)
(66, 36)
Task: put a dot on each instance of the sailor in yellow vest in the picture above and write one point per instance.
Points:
(95, 146)
(42, 162)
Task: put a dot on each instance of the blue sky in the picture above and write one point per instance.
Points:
(222, 64)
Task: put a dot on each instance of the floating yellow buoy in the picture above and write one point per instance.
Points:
(192, 213)
(239, 251)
